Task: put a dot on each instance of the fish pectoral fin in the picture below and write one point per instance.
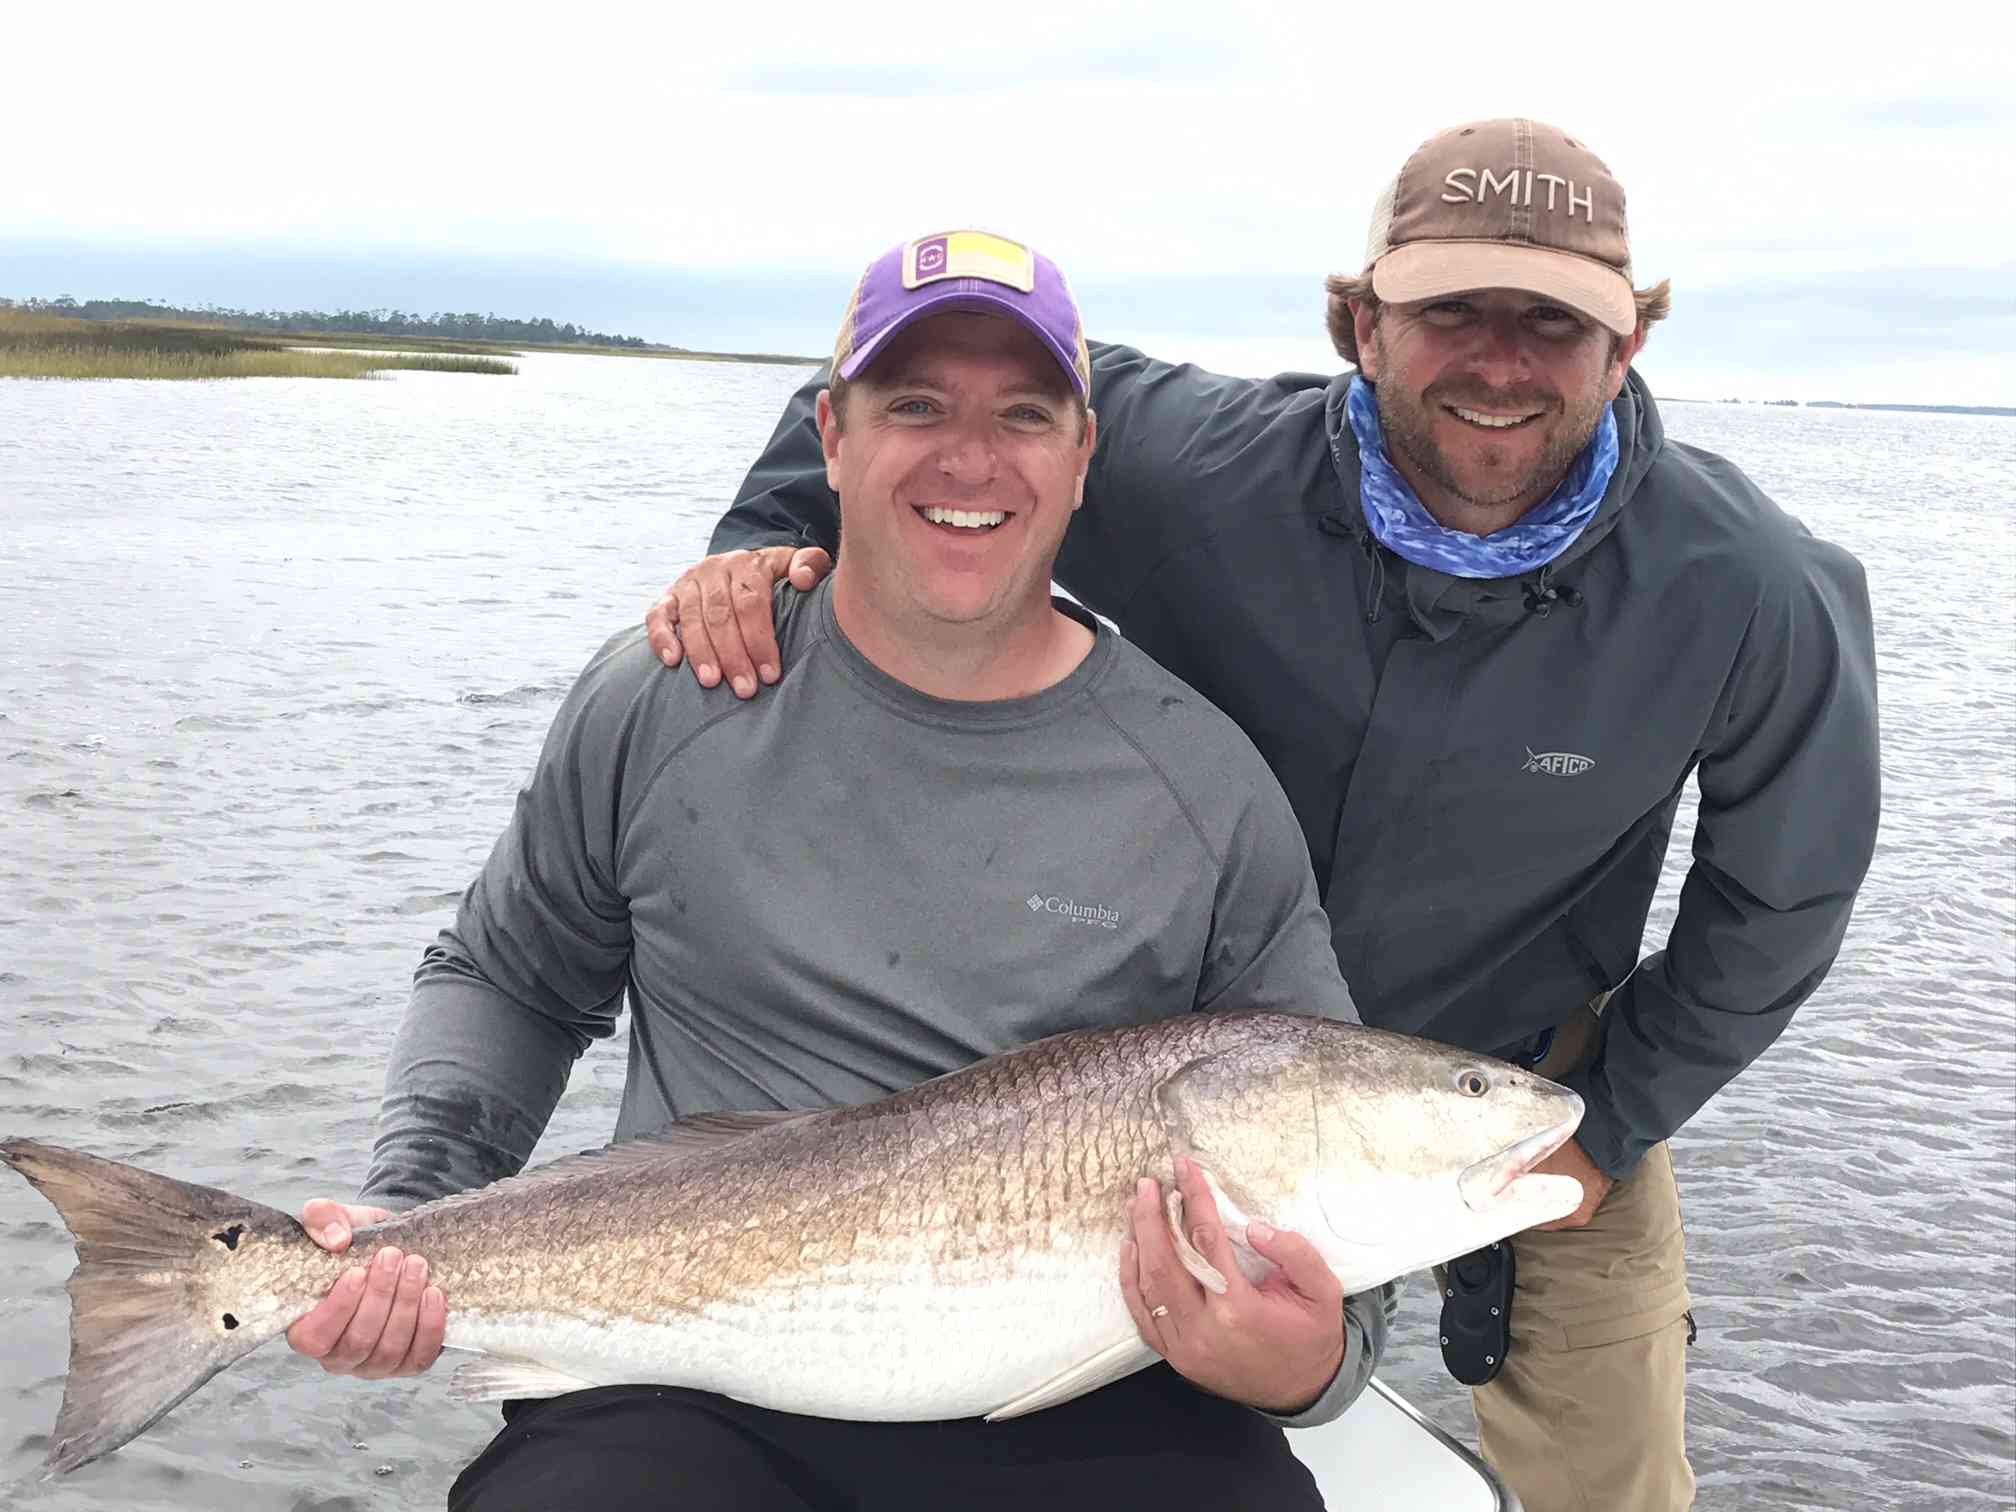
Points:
(497, 1378)
(1102, 1369)
(1208, 1275)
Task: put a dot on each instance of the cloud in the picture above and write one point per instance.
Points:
(1174, 60)
(1933, 114)
(1137, 141)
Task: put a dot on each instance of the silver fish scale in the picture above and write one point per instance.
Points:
(1012, 1153)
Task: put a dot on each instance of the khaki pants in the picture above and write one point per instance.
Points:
(1589, 1413)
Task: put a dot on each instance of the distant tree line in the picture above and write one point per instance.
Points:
(463, 327)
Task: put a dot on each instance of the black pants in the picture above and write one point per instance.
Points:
(1150, 1440)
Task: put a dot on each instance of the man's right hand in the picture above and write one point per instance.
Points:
(378, 1320)
(716, 615)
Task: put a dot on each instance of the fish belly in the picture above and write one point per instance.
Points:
(903, 1345)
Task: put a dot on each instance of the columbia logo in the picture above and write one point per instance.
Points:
(1073, 911)
(1557, 763)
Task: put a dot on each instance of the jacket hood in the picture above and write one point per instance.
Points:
(1439, 603)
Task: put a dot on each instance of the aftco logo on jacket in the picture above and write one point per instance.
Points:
(1557, 763)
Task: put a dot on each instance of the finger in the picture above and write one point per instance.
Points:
(361, 1337)
(1565, 1221)
(808, 565)
(1144, 1219)
(1577, 1219)
(429, 1332)
(750, 585)
(395, 1340)
(1595, 1187)
(691, 629)
(328, 1223)
(1206, 1229)
(334, 1224)
(316, 1331)
(1302, 1267)
(1130, 1292)
(660, 622)
(718, 597)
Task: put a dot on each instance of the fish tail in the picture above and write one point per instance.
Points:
(144, 1328)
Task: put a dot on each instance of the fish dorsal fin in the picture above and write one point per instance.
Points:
(1101, 1369)
(666, 1146)
(705, 1131)
(498, 1378)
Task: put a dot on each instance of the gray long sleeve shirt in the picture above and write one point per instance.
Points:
(1486, 771)
(843, 888)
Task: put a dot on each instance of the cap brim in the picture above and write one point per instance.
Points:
(1433, 270)
(963, 299)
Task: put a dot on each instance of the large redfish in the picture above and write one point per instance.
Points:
(949, 1251)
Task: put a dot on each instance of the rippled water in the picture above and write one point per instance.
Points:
(274, 656)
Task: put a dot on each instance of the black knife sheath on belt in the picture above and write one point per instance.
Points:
(1477, 1313)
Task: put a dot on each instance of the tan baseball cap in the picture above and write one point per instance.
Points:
(1510, 204)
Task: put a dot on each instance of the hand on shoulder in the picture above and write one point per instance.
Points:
(716, 615)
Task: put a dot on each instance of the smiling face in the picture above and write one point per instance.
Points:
(1487, 397)
(958, 461)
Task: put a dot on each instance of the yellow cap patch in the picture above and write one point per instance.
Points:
(969, 254)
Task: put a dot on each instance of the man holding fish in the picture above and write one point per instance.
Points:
(1485, 624)
(1029, 1167)
(969, 817)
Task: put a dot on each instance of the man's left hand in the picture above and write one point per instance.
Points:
(1275, 1346)
(1572, 1160)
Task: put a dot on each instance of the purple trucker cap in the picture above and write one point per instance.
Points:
(963, 270)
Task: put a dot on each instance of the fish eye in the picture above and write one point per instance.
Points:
(1472, 1082)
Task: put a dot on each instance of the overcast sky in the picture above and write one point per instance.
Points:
(1762, 147)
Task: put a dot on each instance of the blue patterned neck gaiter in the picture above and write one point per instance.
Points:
(1402, 524)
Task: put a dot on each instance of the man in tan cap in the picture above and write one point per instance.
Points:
(1485, 623)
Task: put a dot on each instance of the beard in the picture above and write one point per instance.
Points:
(1489, 479)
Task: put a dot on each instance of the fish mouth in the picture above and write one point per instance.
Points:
(1485, 1182)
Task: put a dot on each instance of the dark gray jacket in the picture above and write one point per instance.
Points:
(1486, 772)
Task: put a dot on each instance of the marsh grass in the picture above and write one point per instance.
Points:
(507, 349)
(405, 343)
(37, 345)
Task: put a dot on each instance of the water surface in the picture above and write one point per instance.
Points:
(275, 655)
